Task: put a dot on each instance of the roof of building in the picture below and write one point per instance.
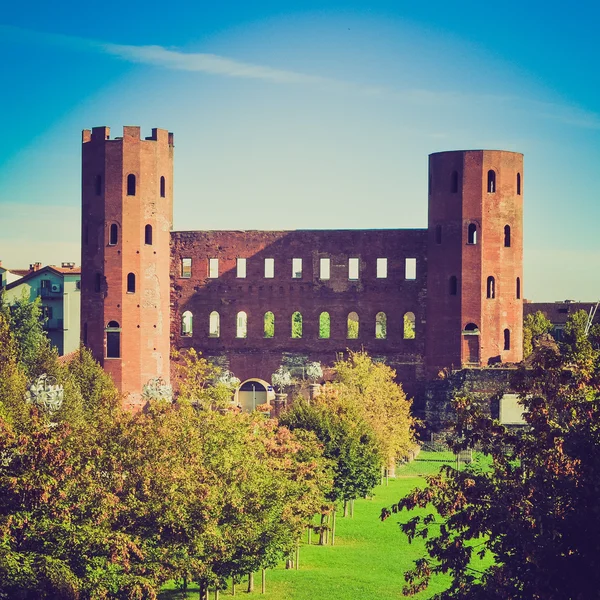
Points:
(557, 312)
(30, 274)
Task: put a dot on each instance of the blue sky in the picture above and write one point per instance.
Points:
(303, 115)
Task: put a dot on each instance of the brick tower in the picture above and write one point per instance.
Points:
(475, 259)
(127, 216)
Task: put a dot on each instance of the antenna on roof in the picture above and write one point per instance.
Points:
(590, 318)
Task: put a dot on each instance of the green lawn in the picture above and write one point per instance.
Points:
(367, 562)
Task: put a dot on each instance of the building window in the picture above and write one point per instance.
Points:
(297, 325)
(113, 340)
(491, 181)
(148, 235)
(186, 268)
(472, 234)
(162, 187)
(507, 236)
(453, 285)
(438, 234)
(241, 330)
(296, 268)
(518, 184)
(325, 268)
(380, 326)
(381, 268)
(98, 185)
(518, 288)
(324, 325)
(213, 268)
(409, 326)
(131, 184)
(269, 268)
(214, 325)
(187, 323)
(353, 269)
(241, 268)
(98, 282)
(131, 283)
(491, 287)
(352, 332)
(269, 324)
(113, 234)
(507, 339)
(454, 182)
(46, 312)
(410, 268)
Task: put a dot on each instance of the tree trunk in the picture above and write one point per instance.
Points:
(387, 477)
(289, 563)
(185, 586)
(352, 508)
(345, 508)
(322, 530)
(216, 593)
(333, 528)
(250, 582)
(309, 535)
(233, 586)
(297, 555)
(264, 581)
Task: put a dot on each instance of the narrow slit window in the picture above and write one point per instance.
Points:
(148, 235)
(324, 325)
(98, 185)
(113, 234)
(241, 330)
(296, 268)
(131, 283)
(507, 339)
(241, 268)
(214, 325)
(454, 182)
(297, 325)
(213, 268)
(187, 323)
(491, 181)
(325, 268)
(410, 268)
(269, 268)
(97, 282)
(507, 236)
(380, 326)
(409, 326)
(518, 288)
(353, 269)
(113, 340)
(131, 184)
(453, 285)
(518, 184)
(382, 264)
(162, 187)
(352, 332)
(472, 234)
(269, 324)
(491, 287)
(186, 268)
(438, 234)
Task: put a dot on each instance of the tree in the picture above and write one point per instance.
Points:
(533, 508)
(12, 378)
(534, 326)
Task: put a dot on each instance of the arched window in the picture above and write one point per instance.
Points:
(472, 234)
(113, 234)
(454, 182)
(453, 285)
(438, 234)
(269, 323)
(518, 288)
(98, 282)
(214, 324)
(352, 333)
(148, 235)
(507, 339)
(113, 340)
(491, 183)
(98, 185)
(380, 326)
(507, 236)
(491, 287)
(409, 326)
(471, 328)
(131, 184)
(324, 325)
(131, 283)
(518, 184)
(241, 330)
(296, 325)
(162, 187)
(187, 323)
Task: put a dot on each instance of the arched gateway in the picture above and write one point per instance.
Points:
(254, 392)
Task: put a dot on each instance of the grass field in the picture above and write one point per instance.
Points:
(367, 562)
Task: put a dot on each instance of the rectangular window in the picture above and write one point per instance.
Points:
(381, 268)
(325, 268)
(47, 312)
(213, 268)
(410, 268)
(269, 268)
(241, 268)
(297, 268)
(186, 268)
(353, 268)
